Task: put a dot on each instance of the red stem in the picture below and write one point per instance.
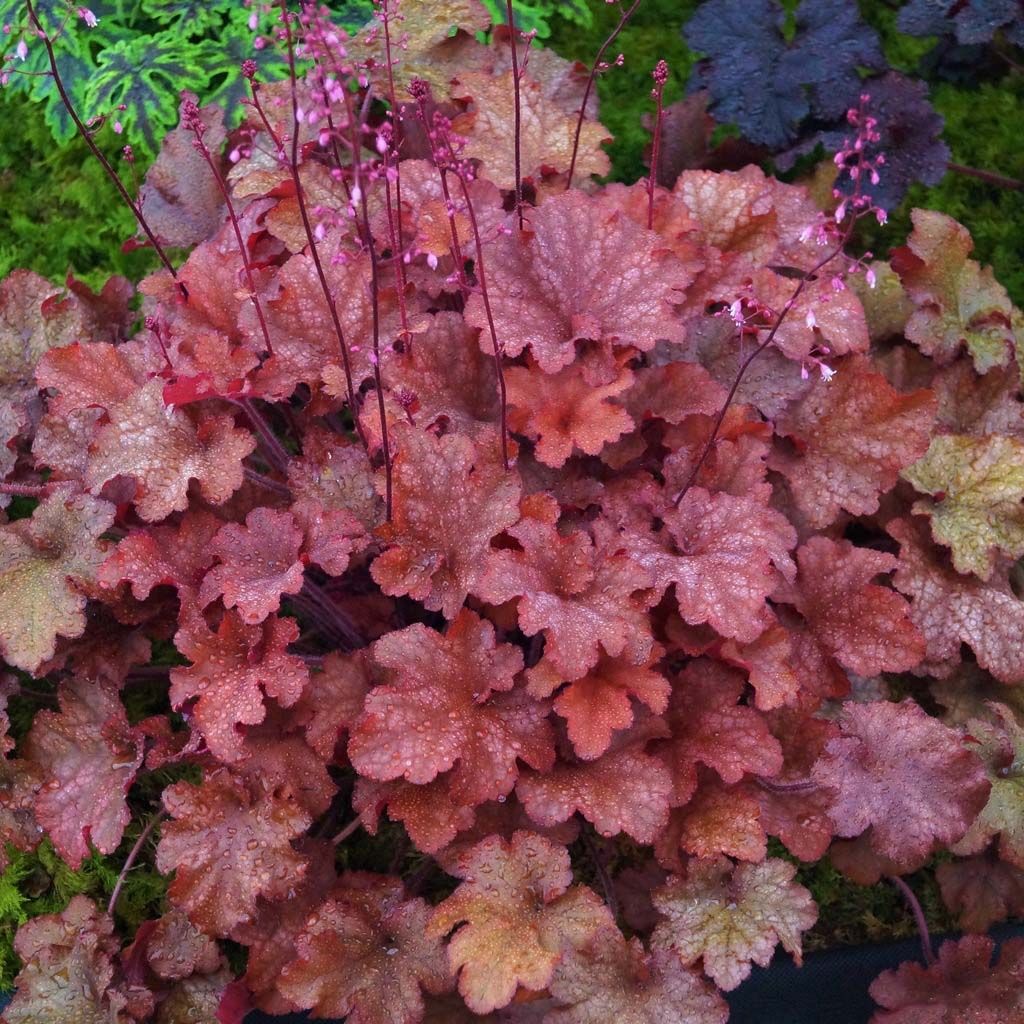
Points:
(111, 173)
(132, 857)
(624, 18)
(242, 248)
(659, 90)
(990, 177)
(275, 452)
(482, 277)
(919, 918)
(26, 490)
(351, 827)
(518, 116)
(395, 122)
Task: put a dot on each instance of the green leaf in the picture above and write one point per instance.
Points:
(147, 74)
(226, 86)
(535, 15)
(192, 17)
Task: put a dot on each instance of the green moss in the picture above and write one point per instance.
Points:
(903, 52)
(59, 208)
(654, 33)
(857, 915)
(41, 883)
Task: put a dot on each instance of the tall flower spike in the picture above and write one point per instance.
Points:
(293, 166)
(444, 157)
(853, 158)
(192, 121)
(366, 235)
(597, 66)
(385, 14)
(660, 76)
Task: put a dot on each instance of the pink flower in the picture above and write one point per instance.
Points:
(88, 17)
(21, 49)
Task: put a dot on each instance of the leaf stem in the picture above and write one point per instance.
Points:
(919, 919)
(989, 177)
(275, 452)
(132, 857)
(352, 827)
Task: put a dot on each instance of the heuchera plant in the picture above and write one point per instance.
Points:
(575, 533)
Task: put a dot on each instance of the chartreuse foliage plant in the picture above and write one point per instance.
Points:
(448, 584)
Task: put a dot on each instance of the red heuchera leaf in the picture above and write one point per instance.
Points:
(176, 948)
(518, 912)
(212, 997)
(722, 567)
(907, 776)
(793, 808)
(731, 916)
(443, 377)
(838, 316)
(87, 757)
(431, 816)
(982, 890)
(580, 597)
(163, 450)
(851, 437)
(177, 556)
(611, 979)
(964, 986)
(232, 669)
(581, 272)
(333, 699)
(451, 498)
(68, 971)
(710, 727)
(719, 819)
(227, 848)
(769, 664)
(672, 393)
(950, 609)
(45, 562)
(624, 790)
(563, 412)
(439, 710)
(270, 934)
(1000, 744)
(365, 953)
(866, 627)
(957, 302)
(279, 761)
(599, 703)
(258, 563)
